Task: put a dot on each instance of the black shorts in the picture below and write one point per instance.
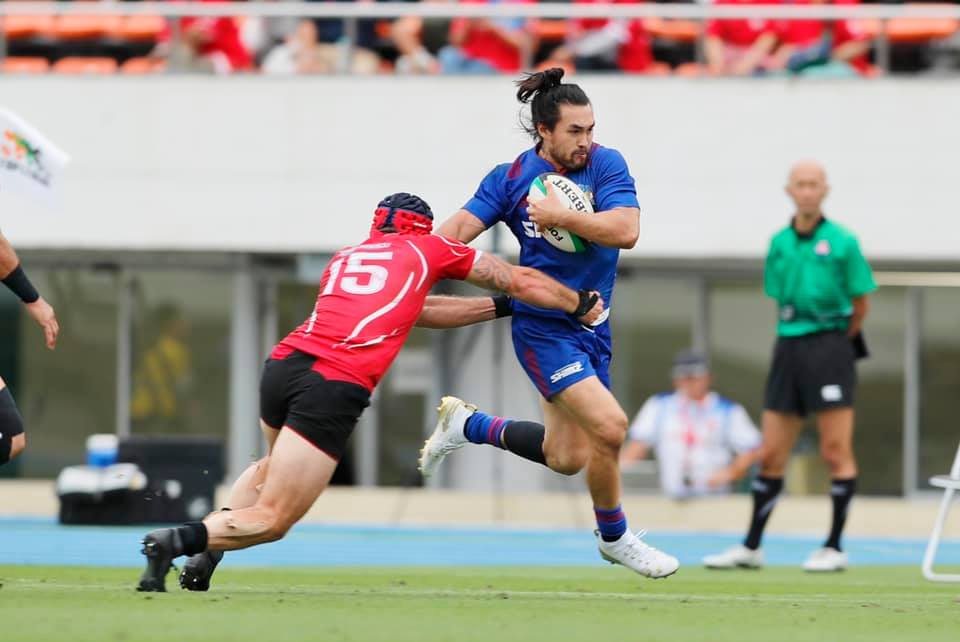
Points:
(811, 373)
(321, 411)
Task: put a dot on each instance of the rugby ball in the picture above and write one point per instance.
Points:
(573, 198)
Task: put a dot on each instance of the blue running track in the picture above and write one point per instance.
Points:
(43, 541)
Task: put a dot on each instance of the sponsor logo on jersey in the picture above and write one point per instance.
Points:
(822, 248)
(530, 230)
(566, 371)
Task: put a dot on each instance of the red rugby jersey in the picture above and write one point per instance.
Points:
(370, 297)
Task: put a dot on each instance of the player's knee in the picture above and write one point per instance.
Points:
(611, 433)
(569, 462)
(836, 454)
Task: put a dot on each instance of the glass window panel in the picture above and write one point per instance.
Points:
(181, 353)
(743, 326)
(70, 393)
(940, 382)
(651, 321)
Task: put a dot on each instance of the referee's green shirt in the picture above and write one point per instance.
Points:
(814, 277)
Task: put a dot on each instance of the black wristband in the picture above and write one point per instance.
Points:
(587, 301)
(20, 285)
(502, 305)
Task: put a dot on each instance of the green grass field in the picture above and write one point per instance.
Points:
(875, 604)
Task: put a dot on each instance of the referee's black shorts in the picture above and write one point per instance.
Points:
(811, 373)
(322, 411)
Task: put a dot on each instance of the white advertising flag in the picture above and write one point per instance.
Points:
(30, 164)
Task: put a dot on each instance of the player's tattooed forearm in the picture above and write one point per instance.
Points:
(494, 273)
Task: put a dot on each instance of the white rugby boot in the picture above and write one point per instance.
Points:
(632, 552)
(447, 436)
(736, 557)
(826, 560)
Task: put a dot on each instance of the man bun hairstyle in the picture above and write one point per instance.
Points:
(403, 213)
(545, 92)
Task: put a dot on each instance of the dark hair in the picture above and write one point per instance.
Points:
(545, 93)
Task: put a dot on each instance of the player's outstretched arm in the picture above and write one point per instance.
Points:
(16, 279)
(534, 287)
(462, 226)
(444, 312)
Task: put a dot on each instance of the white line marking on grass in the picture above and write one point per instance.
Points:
(905, 599)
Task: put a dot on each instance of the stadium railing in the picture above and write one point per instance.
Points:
(885, 21)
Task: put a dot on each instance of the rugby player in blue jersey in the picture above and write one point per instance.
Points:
(584, 426)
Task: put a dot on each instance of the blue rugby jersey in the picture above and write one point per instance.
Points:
(502, 196)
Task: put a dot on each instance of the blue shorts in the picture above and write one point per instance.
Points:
(557, 353)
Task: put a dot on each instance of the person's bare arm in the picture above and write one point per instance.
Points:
(619, 227)
(8, 257)
(736, 470)
(40, 310)
(861, 307)
(530, 286)
(443, 312)
(633, 451)
(462, 226)
(715, 52)
(850, 50)
(755, 55)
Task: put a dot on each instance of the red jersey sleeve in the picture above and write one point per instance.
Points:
(448, 259)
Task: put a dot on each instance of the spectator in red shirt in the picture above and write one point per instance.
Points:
(820, 46)
(601, 44)
(483, 45)
(206, 44)
(739, 47)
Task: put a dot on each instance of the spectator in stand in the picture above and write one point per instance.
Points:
(418, 41)
(358, 57)
(483, 45)
(821, 48)
(601, 44)
(301, 53)
(205, 45)
(739, 47)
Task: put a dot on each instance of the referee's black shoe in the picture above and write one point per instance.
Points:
(158, 546)
(198, 570)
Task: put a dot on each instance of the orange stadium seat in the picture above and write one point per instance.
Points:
(921, 29)
(550, 30)
(87, 27)
(17, 27)
(76, 65)
(143, 65)
(679, 30)
(142, 28)
(25, 65)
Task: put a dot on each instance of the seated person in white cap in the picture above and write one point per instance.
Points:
(703, 441)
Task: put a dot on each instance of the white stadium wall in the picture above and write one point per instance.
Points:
(264, 164)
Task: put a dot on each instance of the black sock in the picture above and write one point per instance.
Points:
(524, 438)
(765, 492)
(841, 492)
(192, 538)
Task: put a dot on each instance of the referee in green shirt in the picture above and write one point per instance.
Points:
(820, 280)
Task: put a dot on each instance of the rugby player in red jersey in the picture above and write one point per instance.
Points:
(319, 378)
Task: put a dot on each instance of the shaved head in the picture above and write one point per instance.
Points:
(807, 169)
(807, 187)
